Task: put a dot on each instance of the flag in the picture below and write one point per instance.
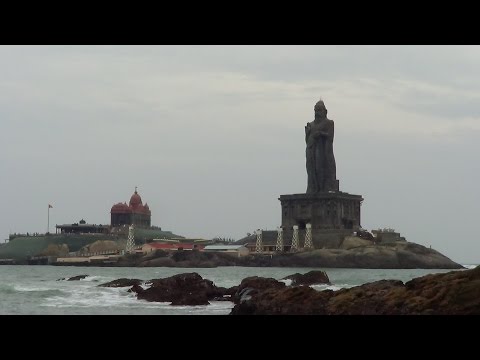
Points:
(50, 206)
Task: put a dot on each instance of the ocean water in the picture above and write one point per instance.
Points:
(35, 290)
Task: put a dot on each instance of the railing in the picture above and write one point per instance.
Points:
(89, 254)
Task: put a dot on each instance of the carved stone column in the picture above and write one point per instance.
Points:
(308, 237)
(259, 245)
(279, 239)
(131, 239)
(295, 238)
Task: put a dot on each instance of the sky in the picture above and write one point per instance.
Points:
(213, 135)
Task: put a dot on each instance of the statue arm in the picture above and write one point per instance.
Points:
(327, 131)
(315, 132)
(307, 131)
(318, 133)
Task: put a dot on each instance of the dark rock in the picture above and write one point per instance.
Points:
(246, 294)
(273, 301)
(368, 299)
(136, 289)
(223, 290)
(453, 293)
(181, 289)
(310, 278)
(74, 278)
(260, 283)
(191, 300)
(231, 291)
(254, 284)
(158, 262)
(123, 282)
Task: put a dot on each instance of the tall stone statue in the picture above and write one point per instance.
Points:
(321, 168)
(327, 213)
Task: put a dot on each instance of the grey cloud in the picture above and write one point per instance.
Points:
(448, 107)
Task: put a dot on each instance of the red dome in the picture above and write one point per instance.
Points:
(135, 200)
(120, 208)
(140, 209)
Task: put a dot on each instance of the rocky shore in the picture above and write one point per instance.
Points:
(192, 289)
(452, 293)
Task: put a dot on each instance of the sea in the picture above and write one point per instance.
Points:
(37, 290)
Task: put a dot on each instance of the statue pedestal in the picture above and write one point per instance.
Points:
(330, 214)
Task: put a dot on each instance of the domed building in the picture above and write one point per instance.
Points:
(134, 213)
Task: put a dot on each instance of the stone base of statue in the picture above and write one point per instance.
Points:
(332, 214)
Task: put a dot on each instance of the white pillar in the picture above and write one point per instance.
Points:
(279, 239)
(308, 237)
(131, 239)
(295, 238)
(259, 245)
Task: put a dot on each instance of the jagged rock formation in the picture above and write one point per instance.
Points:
(453, 293)
(310, 278)
(123, 282)
(73, 278)
(181, 289)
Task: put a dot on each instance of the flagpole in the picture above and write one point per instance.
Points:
(48, 219)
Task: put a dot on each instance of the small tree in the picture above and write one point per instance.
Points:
(223, 240)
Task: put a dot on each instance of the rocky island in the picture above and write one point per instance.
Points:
(319, 228)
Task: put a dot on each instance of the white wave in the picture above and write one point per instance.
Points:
(215, 307)
(320, 287)
(31, 288)
(287, 282)
(334, 287)
(120, 298)
(96, 278)
(146, 285)
(470, 266)
(92, 297)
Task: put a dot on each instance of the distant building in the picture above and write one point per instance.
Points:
(135, 213)
(183, 240)
(387, 235)
(236, 250)
(266, 248)
(269, 241)
(169, 247)
(82, 228)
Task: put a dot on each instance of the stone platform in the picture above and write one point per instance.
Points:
(332, 214)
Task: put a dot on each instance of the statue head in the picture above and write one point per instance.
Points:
(320, 109)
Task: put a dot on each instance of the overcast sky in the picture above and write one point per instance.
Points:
(212, 135)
